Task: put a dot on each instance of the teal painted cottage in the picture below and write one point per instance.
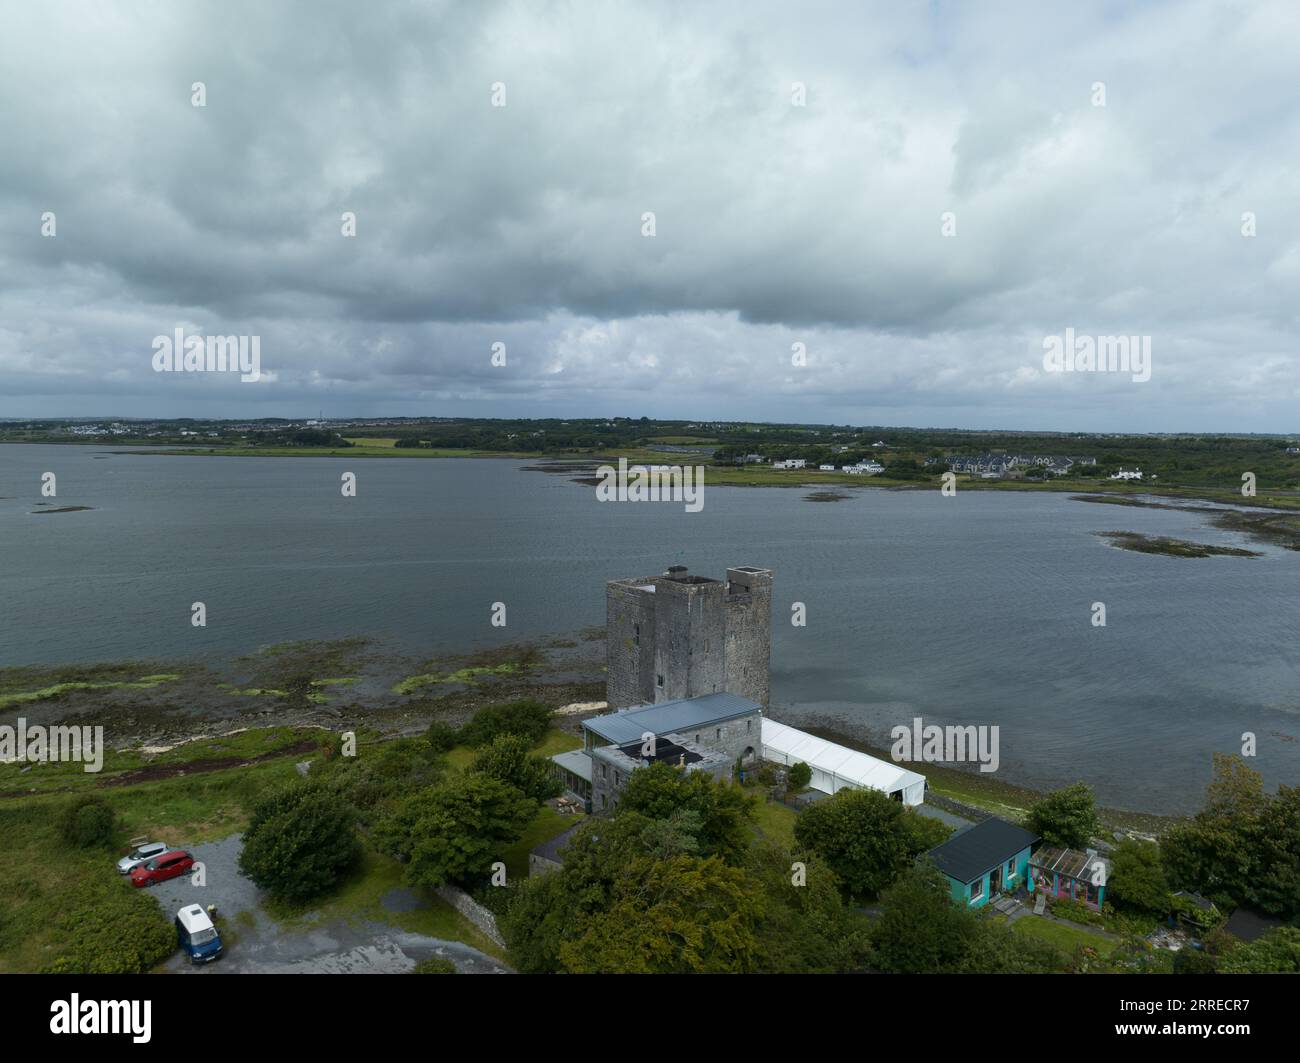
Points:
(982, 861)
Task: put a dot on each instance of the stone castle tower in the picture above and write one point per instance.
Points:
(679, 636)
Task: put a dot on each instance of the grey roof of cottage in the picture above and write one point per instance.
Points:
(972, 852)
(668, 717)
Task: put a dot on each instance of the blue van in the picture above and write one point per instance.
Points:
(196, 934)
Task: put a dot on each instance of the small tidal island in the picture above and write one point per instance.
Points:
(1159, 544)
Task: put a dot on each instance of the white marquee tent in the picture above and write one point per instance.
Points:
(835, 767)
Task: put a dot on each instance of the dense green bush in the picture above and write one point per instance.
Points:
(1243, 847)
(455, 831)
(800, 776)
(87, 821)
(379, 776)
(526, 718)
(301, 841)
(1194, 961)
(1277, 952)
(866, 837)
(1077, 911)
(109, 928)
(435, 965)
(507, 757)
(724, 813)
(441, 736)
(1137, 878)
(1066, 818)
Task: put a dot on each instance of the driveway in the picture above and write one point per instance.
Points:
(262, 946)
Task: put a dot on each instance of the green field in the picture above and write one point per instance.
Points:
(56, 895)
(1065, 938)
(197, 792)
(776, 822)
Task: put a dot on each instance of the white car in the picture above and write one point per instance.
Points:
(139, 855)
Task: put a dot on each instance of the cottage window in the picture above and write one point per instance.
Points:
(977, 889)
(1011, 867)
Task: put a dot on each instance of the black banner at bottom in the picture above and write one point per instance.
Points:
(358, 1011)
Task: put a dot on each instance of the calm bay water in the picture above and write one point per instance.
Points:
(970, 610)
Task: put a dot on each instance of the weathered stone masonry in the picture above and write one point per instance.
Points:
(680, 636)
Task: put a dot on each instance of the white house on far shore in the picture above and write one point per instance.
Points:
(1127, 474)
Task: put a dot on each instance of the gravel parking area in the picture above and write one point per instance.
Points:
(261, 946)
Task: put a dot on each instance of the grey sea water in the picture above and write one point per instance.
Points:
(969, 610)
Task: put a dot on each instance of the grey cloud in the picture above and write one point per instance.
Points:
(775, 223)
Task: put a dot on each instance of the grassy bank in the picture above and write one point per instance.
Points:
(981, 791)
(63, 902)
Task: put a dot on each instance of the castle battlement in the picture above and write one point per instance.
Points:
(679, 636)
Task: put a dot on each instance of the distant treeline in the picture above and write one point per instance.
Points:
(1193, 460)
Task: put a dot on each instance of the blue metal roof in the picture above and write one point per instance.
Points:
(670, 717)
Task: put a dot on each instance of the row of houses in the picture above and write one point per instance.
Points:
(868, 468)
(1003, 464)
(862, 468)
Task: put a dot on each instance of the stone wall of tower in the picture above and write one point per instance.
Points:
(749, 634)
(629, 644)
(680, 636)
(689, 639)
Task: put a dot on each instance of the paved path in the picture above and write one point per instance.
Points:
(942, 816)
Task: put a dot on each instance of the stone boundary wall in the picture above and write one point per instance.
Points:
(473, 911)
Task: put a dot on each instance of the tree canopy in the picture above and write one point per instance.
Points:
(866, 837)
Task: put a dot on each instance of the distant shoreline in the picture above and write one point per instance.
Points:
(1119, 492)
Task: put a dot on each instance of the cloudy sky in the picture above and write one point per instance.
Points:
(778, 220)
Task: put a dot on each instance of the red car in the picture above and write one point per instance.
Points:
(171, 864)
